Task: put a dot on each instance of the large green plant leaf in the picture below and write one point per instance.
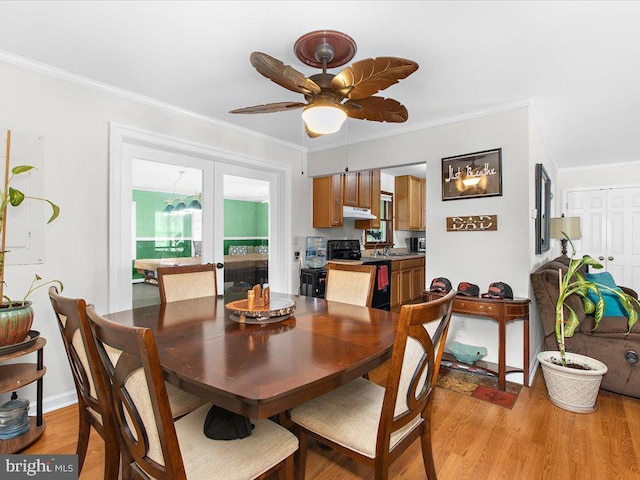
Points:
(591, 262)
(55, 208)
(15, 196)
(21, 169)
(571, 323)
(589, 306)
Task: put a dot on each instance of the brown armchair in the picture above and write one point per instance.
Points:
(609, 343)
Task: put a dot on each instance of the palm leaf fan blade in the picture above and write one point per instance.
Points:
(367, 77)
(284, 75)
(270, 107)
(378, 109)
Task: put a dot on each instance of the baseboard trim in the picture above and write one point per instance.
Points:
(56, 402)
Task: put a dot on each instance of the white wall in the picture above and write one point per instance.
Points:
(74, 121)
(476, 257)
(538, 154)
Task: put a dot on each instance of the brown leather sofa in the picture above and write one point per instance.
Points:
(609, 343)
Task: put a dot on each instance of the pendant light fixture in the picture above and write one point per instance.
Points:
(179, 206)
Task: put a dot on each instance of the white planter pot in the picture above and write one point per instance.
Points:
(569, 388)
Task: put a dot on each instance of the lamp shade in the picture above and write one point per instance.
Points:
(568, 225)
(323, 119)
(195, 205)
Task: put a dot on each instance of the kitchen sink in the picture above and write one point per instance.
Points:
(392, 255)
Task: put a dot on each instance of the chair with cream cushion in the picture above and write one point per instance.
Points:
(94, 394)
(375, 424)
(187, 281)
(154, 445)
(349, 283)
(94, 405)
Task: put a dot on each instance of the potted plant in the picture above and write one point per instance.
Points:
(573, 380)
(16, 316)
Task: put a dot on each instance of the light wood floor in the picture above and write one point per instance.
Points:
(472, 440)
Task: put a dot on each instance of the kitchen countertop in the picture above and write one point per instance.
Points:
(393, 257)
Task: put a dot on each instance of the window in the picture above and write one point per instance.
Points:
(382, 236)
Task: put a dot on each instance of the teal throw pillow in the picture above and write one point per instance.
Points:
(612, 306)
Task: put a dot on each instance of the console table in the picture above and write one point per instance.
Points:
(503, 312)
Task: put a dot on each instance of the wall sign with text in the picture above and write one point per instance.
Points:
(472, 175)
(472, 223)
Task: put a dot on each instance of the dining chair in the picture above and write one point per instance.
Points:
(187, 281)
(374, 424)
(154, 445)
(94, 393)
(349, 283)
(94, 405)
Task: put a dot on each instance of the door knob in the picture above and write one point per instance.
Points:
(219, 265)
(610, 258)
(600, 257)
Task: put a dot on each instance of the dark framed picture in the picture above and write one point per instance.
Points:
(472, 175)
(543, 209)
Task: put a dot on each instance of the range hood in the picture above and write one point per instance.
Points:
(359, 213)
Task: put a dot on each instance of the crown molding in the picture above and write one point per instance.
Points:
(135, 97)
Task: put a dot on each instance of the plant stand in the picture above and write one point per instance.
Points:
(569, 388)
(18, 375)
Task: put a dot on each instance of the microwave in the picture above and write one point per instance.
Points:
(417, 244)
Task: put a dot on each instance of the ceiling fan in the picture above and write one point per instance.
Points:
(330, 98)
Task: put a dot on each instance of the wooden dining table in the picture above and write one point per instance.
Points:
(261, 370)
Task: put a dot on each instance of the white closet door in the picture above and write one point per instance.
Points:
(610, 224)
(623, 236)
(590, 206)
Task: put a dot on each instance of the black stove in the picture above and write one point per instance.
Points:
(312, 280)
(343, 250)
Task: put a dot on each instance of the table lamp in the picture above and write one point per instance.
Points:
(565, 225)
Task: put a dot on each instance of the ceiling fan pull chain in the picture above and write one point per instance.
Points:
(302, 150)
(346, 135)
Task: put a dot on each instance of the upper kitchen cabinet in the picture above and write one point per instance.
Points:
(353, 189)
(370, 181)
(327, 201)
(357, 189)
(409, 202)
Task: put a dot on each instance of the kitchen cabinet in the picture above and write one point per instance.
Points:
(16, 375)
(409, 203)
(373, 185)
(353, 189)
(357, 189)
(327, 201)
(407, 281)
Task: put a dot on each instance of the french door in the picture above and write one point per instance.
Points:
(610, 226)
(207, 241)
(243, 226)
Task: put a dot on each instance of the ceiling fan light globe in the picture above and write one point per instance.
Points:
(323, 119)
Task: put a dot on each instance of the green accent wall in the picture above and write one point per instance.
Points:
(150, 220)
(246, 219)
(168, 236)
